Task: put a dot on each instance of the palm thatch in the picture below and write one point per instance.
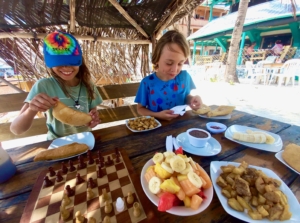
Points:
(115, 35)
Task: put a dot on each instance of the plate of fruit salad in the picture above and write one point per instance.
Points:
(176, 184)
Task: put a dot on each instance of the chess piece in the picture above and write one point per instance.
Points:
(59, 176)
(64, 168)
(66, 200)
(79, 179)
(100, 172)
(101, 158)
(71, 166)
(130, 198)
(79, 217)
(119, 204)
(81, 163)
(91, 220)
(64, 213)
(117, 159)
(51, 172)
(117, 152)
(90, 158)
(108, 207)
(106, 219)
(90, 194)
(91, 183)
(109, 161)
(136, 209)
(47, 182)
(97, 161)
(104, 195)
(101, 164)
(69, 191)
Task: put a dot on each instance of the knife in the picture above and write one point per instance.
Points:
(175, 144)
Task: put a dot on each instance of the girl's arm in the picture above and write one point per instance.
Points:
(40, 102)
(165, 115)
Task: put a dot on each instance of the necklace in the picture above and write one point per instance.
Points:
(77, 105)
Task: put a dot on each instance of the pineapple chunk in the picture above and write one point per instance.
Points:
(187, 201)
(170, 186)
(181, 177)
(161, 172)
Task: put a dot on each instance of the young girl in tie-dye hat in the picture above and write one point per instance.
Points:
(70, 83)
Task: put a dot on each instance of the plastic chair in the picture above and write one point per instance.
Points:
(260, 71)
(250, 67)
(289, 70)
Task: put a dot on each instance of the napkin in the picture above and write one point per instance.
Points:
(180, 109)
(169, 143)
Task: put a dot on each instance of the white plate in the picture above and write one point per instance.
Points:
(126, 122)
(217, 117)
(275, 147)
(292, 200)
(279, 157)
(83, 137)
(211, 148)
(178, 210)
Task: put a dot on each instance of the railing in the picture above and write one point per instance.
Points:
(259, 54)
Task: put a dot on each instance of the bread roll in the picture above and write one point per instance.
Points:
(291, 155)
(61, 152)
(70, 116)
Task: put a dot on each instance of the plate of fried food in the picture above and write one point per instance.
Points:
(290, 157)
(67, 147)
(221, 112)
(253, 193)
(254, 138)
(176, 184)
(142, 124)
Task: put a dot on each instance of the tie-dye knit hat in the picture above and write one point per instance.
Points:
(61, 49)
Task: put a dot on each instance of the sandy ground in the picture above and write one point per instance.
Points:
(278, 103)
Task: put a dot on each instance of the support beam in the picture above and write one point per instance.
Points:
(171, 17)
(239, 61)
(194, 52)
(72, 16)
(128, 17)
(254, 36)
(211, 9)
(294, 26)
(221, 43)
(4, 35)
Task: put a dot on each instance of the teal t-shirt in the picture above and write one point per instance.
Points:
(51, 87)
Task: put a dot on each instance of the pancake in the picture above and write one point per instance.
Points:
(291, 155)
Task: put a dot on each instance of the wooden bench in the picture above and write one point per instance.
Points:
(14, 102)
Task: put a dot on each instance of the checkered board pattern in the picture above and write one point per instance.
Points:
(44, 202)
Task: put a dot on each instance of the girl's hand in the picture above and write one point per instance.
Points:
(95, 118)
(42, 102)
(196, 102)
(167, 115)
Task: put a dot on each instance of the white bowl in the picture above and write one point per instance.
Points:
(198, 141)
(221, 126)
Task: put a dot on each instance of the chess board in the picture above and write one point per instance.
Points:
(118, 179)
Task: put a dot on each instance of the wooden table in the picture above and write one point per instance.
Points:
(141, 147)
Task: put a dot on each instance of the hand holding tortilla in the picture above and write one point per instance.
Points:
(61, 152)
(221, 110)
(70, 116)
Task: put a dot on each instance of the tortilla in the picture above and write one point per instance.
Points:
(61, 152)
(202, 110)
(221, 110)
(291, 155)
(70, 116)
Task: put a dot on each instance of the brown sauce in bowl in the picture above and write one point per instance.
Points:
(198, 134)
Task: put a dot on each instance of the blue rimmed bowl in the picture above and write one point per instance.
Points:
(216, 127)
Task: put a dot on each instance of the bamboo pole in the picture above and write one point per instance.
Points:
(128, 17)
(171, 16)
(72, 16)
(4, 35)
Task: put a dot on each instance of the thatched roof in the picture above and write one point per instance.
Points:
(115, 35)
